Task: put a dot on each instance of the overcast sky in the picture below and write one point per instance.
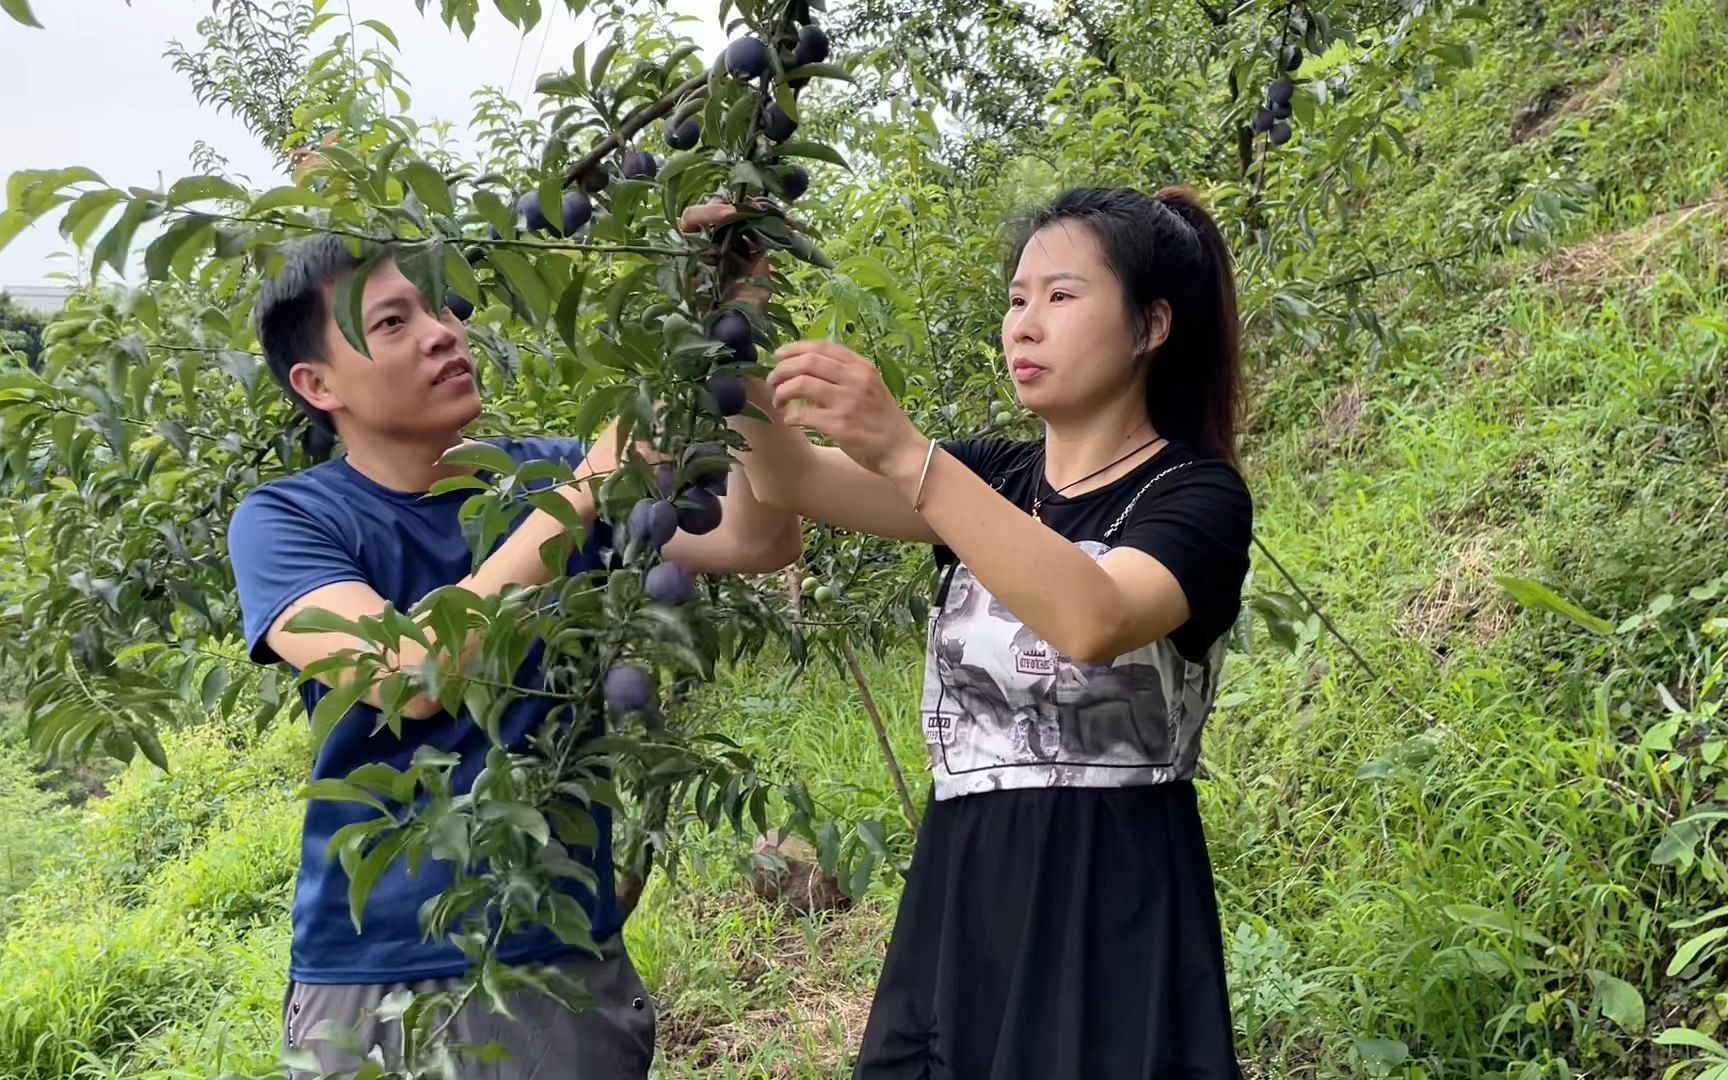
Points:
(94, 89)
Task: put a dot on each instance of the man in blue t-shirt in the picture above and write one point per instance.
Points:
(361, 531)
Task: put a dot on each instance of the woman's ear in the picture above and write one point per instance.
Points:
(1156, 328)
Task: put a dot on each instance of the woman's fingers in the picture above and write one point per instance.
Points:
(804, 387)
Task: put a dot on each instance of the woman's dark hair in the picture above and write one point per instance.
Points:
(1167, 247)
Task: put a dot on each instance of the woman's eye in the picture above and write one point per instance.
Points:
(1016, 301)
(390, 323)
(1060, 296)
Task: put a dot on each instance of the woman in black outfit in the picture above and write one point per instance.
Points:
(1059, 919)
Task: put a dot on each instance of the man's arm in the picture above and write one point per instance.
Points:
(516, 562)
(751, 538)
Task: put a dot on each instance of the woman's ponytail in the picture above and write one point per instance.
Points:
(1201, 389)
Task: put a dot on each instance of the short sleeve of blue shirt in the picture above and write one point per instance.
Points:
(281, 552)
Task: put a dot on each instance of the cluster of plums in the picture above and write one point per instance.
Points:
(1273, 118)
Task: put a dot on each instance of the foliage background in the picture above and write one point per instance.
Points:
(1487, 325)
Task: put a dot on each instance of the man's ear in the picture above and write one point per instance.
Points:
(311, 382)
(1157, 327)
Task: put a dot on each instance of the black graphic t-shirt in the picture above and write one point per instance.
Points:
(1003, 709)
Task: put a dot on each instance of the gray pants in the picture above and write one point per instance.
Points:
(614, 1040)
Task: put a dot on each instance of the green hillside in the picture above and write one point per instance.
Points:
(1475, 841)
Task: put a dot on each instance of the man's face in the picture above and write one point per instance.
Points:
(419, 383)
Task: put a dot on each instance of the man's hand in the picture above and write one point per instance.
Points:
(752, 260)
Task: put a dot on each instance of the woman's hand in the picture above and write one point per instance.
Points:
(831, 389)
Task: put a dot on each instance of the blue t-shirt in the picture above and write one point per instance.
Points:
(331, 524)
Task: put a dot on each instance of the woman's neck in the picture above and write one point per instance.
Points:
(1071, 452)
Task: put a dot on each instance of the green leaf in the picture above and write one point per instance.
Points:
(117, 242)
(350, 305)
(1696, 1040)
(484, 456)
(423, 266)
(1489, 919)
(1677, 844)
(457, 483)
(291, 195)
(372, 868)
(429, 186)
(874, 836)
(560, 508)
(460, 275)
(331, 789)
(383, 31)
(518, 816)
(145, 736)
(519, 274)
(215, 682)
(1689, 951)
(575, 827)
(20, 10)
(570, 921)
(160, 256)
(1534, 594)
(1619, 1001)
(86, 213)
(333, 706)
(551, 189)
(318, 620)
(814, 151)
(1382, 1054)
(569, 308)
(200, 188)
(820, 71)
(601, 62)
(12, 222)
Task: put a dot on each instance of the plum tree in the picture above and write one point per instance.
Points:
(582, 291)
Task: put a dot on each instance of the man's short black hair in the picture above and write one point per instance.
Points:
(291, 312)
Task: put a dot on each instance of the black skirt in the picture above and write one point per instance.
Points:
(1056, 934)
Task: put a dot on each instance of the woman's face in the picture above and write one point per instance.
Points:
(1067, 335)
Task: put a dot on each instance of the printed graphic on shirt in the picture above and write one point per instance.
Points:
(1004, 709)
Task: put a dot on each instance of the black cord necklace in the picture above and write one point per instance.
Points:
(1038, 501)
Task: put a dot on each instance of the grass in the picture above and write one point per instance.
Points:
(1442, 865)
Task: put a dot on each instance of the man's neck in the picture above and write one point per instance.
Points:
(1071, 451)
(400, 465)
